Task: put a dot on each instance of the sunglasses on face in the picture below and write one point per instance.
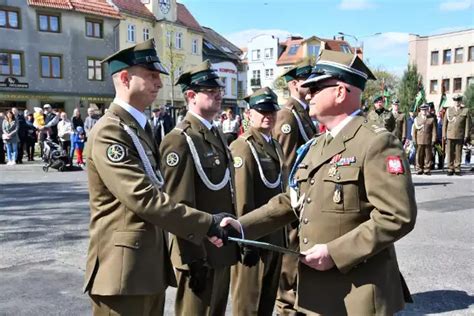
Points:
(212, 91)
(316, 89)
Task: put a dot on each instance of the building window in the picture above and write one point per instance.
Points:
(345, 48)
(131, 33)
(457, 84)
(146, 34)
(268, 53)
(458, 55)
(178, 72)
(469, 81)
(49, 23)
(94, 28)
(470, 56)
(51, 66)
(256, 54)
(94, 69)
(434, 58)
(293, 49)
(256, 74)
(445, 85)
(446, 56)
(313, 50)
(9, 18)
(224, 82)
(195, 46)
(269, 73)
(11, 63)
(168, 39)
(233, 87)
(434, 86)
(178, 41)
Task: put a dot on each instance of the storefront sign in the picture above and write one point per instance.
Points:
(19, 96)
(229, 102)
(97, 99)
(11, 82)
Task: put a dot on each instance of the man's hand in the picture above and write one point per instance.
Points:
(217, 233)
(318, 258)
(250, 255)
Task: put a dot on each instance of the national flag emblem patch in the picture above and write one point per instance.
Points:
(395, 165)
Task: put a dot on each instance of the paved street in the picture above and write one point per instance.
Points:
(43, 243)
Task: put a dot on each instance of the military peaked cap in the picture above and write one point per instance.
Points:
(263, 99)
(301, 71)
(200, 76)
(424, 106)
(143, 54)
(348, 68)
(378, 97)
(457, 97)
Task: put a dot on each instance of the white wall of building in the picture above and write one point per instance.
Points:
(227, 71)
(262, 57)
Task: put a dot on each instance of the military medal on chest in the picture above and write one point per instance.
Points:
(337, 196)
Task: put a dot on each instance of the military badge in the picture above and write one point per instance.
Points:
(217, 162)
(286, 128)
(337, 196)
(238, 162)
(116, 152)
(395, 165)
(172, 159)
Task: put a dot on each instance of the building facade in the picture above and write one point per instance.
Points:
(445, 62)
(50, 52)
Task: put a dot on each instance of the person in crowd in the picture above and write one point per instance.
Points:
(31, 137)
(22, 130)
(352, 192)
(128, 267)
(51, 120)
(380, 115)
(198, 172)
(77, 145)
(293, 128)
(424, 136)
(2, 145)
(245, 124)
(10, 137)
(230, 126)
(456, 129)
(181, 114)
(160, 123)
(76, 119)
(400, 129)
(90, 120)
(65, 133)
(439, 150)
(258, 161)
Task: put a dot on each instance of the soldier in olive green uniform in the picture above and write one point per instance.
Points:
(424, 137)
(198, 172)
(258, 177)
(381, 115)
(456, 127)
(352, 192)
(293, 128)
(400, 130)
(128, 267)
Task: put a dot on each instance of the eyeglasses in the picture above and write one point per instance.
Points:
(212, 91)
(316, 89)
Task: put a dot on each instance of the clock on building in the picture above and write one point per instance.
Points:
(165, 6)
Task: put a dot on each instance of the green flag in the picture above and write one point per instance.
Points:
(442, 101)
(420, 97)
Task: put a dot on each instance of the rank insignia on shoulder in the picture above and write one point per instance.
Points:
(286, 128)
(172, 159)
(116, 152)
(395, 165)
(238, 162)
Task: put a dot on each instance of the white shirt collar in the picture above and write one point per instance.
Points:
(267, 138)
(304, 105)
(140, 117)
(342, 124)
(203, 120)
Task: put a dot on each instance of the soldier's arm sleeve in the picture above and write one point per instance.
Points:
(445, 124)
(434, 135)
(288, 141)
(390, 122)
(128, 182)
(244, 181)
(394, 206)
(468, 125)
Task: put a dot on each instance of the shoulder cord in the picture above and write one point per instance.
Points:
(268, 184)
(416, 124)
(300, 126)
(452, 119)
(156, 178)
(200, 171)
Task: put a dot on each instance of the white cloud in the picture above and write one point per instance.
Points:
(241, 38)
(456, 5)
(356, 5)
(387, 50)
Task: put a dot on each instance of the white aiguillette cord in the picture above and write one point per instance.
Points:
(268, 184)
(300, 126)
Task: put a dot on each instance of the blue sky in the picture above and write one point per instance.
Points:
(240, 20)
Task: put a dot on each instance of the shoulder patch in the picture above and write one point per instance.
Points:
(172, 159)
(116, 152)
(238, 162)
(286, 128)
(395, 165)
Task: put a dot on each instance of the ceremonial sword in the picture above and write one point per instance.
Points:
(264, 245)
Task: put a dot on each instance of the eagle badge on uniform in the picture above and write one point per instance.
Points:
(286, 128)
(116, 152)
(395, 165)
(172, 159)
(238, 162)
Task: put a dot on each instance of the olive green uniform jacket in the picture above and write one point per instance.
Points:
(376, 207)
(400, 130)
(456, 123)
(385, 119)
(128, 252)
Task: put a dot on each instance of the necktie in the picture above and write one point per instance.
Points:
(148, 129)
(329, 138)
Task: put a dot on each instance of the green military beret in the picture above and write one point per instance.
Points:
(143, 54)
(263, 99)
(200, 76)
(301, 71)
(378, 97)
(457, 97)
(348, 68)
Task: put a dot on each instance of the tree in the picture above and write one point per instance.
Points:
(386, 84)
(409, 87)
(173, 57)
(469, 97)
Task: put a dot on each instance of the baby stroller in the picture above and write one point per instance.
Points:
(54, 156)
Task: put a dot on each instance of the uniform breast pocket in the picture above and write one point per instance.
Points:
(341, 191)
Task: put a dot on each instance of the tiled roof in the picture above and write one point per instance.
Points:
(285, 58)
(332, 44)
(221, 48)
(134, 7)
(187, 19)
(94, 7)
